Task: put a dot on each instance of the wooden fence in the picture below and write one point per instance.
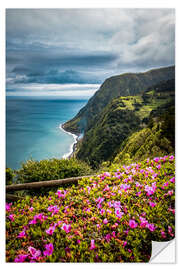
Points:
(36, 185)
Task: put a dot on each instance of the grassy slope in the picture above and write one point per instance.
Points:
(129, 84)
(120, 119)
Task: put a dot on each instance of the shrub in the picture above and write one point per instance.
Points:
(111, 217)
(9, 176)
(51, 169)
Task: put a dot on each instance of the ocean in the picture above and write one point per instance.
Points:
(33, 128)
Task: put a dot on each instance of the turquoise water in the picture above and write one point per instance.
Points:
(32, 128)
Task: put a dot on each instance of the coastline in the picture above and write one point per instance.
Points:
(72, 146)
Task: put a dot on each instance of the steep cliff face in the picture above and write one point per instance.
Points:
(129, 84)
(123, 117)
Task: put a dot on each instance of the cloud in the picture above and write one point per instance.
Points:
(86, 45)
(82, 91)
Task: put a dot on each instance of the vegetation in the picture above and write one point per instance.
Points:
(51, 169)
(9, 176)
(158, 138)
(111, 217)
(129, 84)
(121, 123)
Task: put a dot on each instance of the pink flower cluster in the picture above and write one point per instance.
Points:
(49, 249)
(54, 209)
(65, 227)
(41, 217)
(150, 189)
(61, 193)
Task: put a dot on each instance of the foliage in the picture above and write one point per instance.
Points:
(122, 118)
(116, 123)
(148, 142)
(111, 217)
(51, 169)
(9, 176)
(129, 84)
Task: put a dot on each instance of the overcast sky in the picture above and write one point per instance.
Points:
(48, 48)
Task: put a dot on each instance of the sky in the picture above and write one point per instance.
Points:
(72, 51)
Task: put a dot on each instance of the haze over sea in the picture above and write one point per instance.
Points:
(32, 127)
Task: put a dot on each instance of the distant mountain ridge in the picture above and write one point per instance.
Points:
(128, 84)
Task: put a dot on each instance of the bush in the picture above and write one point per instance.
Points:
(111, 217)
(51, 169)
(9, 176)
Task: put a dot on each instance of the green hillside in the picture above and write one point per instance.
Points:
(129, 84)
(124, 117)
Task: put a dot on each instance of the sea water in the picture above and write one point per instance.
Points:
(33, 128)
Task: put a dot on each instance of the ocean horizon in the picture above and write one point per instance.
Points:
(33, 128)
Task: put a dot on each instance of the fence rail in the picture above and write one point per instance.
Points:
(49, 183)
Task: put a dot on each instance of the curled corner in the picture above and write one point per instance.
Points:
(163, 252)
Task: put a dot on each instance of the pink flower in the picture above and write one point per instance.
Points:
(154, 175)
(169, 229)
(158, 166)
(106, 188)
(61, 193)
(125, 187)
(125, 243)
(11, 217)
(152, 204)
(118, 213)
(143, 223)
(171, 158)
(92, 245)
(66, 228)
(8, 206)
(156, 159)
(166, 184)
(117, 204)
(114, 234)
(99, 206)
(105, 221)
(21, 258)
(163, 234)
(171, 210)
(150, 189)
(170, 192)
(151, 227)
(78, 241)
(31, 209)
(51, 230)
(172, 180)
(110, 204)
(100, 200)
(107, 174)
(108, 237)
(33, 221)
(132, 223)
(49, 249)
(102, 211)
(138, 184)
(34, 252)
(22, 234)
(53, 209)
(39, 217)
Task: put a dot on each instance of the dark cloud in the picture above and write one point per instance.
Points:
(86, 45)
